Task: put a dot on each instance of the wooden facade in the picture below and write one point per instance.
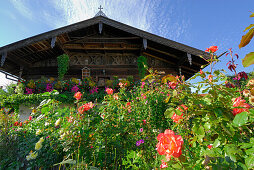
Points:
(103, 47)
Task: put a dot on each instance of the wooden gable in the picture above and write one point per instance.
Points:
(99, 44)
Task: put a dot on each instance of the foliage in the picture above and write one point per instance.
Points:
(249, 58)
(142, 66)
(157, 123)
(63, 65)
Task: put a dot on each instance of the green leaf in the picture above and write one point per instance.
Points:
(208, 101)
(240, 119)
(231, 151)
(178, 112)
(45, 110)
(169, 113)
(249, 161)
(246, 145)
(250, 151)
(246, 38)
(68, 161)
(216, 143)
(218, 112)
(201, 131)
(207, 126)
(210, 153)
(250, 26)
(242, 165)
(248, 59)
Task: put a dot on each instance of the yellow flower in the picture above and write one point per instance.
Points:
(41, 140)
(34, 111)
(38, 146)
(58, 122)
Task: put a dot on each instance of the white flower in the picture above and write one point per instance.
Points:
(47, 123)
(62, 136)
(32, 155)
(58, 122)
(38, 132)
(41, 140)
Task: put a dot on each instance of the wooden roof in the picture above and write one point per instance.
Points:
(98, 35)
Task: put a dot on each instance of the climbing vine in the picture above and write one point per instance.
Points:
(142, 65)
(63, 65)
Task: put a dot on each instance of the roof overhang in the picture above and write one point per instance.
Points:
(36, 47)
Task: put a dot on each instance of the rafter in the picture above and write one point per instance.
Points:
(169, 62)
(163, 52)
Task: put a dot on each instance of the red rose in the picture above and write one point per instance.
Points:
(209, 146)
(169, 144)
(184, 107)
(109, 91)
(238, 102)
(85, 107)
(176, 117)
(78, 95)
(211, 49)
(20, 124)
(30, 118)
(16, 123)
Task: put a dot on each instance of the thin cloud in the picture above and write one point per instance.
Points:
(22, 8)
(155, 16)
(9, 14)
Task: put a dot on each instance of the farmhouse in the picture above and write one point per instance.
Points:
(98, 47)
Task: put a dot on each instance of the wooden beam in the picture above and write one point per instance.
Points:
(163, 52)
(169, 62)
(18, 60)
(99, 46)
(188, 68)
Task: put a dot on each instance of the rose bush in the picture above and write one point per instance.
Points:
(210, 127)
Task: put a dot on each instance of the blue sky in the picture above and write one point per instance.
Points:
(197, 23)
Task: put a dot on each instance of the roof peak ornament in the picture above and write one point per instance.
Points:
(100, 13)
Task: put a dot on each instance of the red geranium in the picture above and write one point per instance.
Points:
(169, 144)
(211, 49)
(238, 102)
(78, 95)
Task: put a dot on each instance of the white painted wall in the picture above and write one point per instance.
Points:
(3, 81)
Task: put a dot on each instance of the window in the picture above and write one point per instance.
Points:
(85, 72)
